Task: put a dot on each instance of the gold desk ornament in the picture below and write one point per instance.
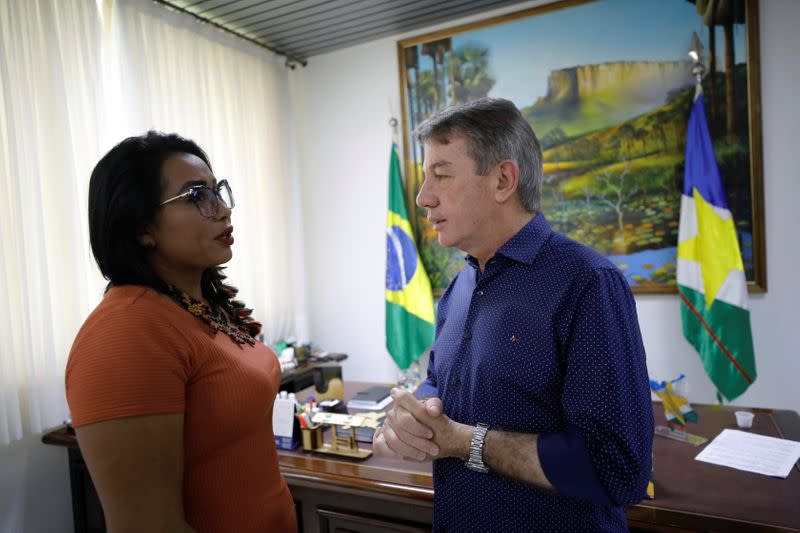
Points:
(343, 442)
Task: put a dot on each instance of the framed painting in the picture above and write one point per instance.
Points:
(607, 87)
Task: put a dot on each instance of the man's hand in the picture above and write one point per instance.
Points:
(417, 430)
(405, 433)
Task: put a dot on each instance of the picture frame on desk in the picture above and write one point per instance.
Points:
(610, 109)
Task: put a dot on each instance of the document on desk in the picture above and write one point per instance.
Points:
(753, 453)
(283, 411)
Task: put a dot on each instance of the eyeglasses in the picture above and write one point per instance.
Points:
(207, 199)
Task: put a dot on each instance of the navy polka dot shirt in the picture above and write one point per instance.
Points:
(545, 340)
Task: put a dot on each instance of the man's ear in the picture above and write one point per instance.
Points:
(507, 180)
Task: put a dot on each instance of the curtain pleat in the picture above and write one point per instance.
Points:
(78, 76)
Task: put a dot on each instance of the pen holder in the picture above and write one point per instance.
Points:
(312, 438)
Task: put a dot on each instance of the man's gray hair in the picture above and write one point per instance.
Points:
(495, 131)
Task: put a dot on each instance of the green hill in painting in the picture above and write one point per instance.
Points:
(617, 188)
(591, 97)
(613, 164)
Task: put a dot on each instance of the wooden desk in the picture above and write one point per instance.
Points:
(303, 376)
(373, 495)
(386, 495)
(694, 495)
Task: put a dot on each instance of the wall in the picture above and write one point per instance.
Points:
(42, 502)
(343, 101)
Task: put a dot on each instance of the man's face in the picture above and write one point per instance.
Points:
(459, 202)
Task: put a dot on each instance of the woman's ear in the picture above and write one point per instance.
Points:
(146, 240)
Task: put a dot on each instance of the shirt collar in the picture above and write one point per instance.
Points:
(525, 244)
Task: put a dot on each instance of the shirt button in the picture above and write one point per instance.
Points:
(480, 293)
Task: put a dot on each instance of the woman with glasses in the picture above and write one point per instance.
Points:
(170, 393)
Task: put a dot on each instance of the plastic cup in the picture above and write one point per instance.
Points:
(744, 419)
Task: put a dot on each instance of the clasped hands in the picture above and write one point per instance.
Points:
(417, 430)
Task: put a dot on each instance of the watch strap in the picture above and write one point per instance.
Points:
(475, 461)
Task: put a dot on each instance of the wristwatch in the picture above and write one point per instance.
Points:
(475, 461)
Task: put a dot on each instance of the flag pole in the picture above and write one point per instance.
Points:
(698, 69)
(393, 123)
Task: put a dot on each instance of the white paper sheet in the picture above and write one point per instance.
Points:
(753, 453)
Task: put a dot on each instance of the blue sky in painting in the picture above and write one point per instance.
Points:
(523, 53)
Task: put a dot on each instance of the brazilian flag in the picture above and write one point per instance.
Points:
(410, 322)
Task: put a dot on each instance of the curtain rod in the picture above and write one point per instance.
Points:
(290, 59)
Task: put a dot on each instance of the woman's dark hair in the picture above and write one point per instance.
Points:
(124, 195)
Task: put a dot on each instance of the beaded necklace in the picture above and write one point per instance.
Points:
(216, 318)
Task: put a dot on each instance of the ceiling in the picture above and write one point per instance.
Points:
(300, 29)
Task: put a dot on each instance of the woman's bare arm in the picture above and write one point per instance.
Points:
(137, 467)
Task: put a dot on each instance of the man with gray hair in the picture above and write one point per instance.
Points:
(536, 409)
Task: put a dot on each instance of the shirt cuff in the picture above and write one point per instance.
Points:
(427, 390)
(568, 467)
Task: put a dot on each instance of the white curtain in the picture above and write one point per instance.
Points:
(78, 76)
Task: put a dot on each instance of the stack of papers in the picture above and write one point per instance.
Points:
(752, 453)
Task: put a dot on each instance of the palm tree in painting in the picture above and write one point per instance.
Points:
(723, 13)
(469, 68)
(428, 94)
(437, 50)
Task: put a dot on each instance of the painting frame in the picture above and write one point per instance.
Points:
(757, 281)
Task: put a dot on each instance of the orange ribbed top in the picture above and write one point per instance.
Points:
(139, 353)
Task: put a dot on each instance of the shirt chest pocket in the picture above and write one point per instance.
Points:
(520, 357)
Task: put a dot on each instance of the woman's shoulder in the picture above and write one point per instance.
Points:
(133, 310)
(139, 296)
(134, 322)
(129, 358)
